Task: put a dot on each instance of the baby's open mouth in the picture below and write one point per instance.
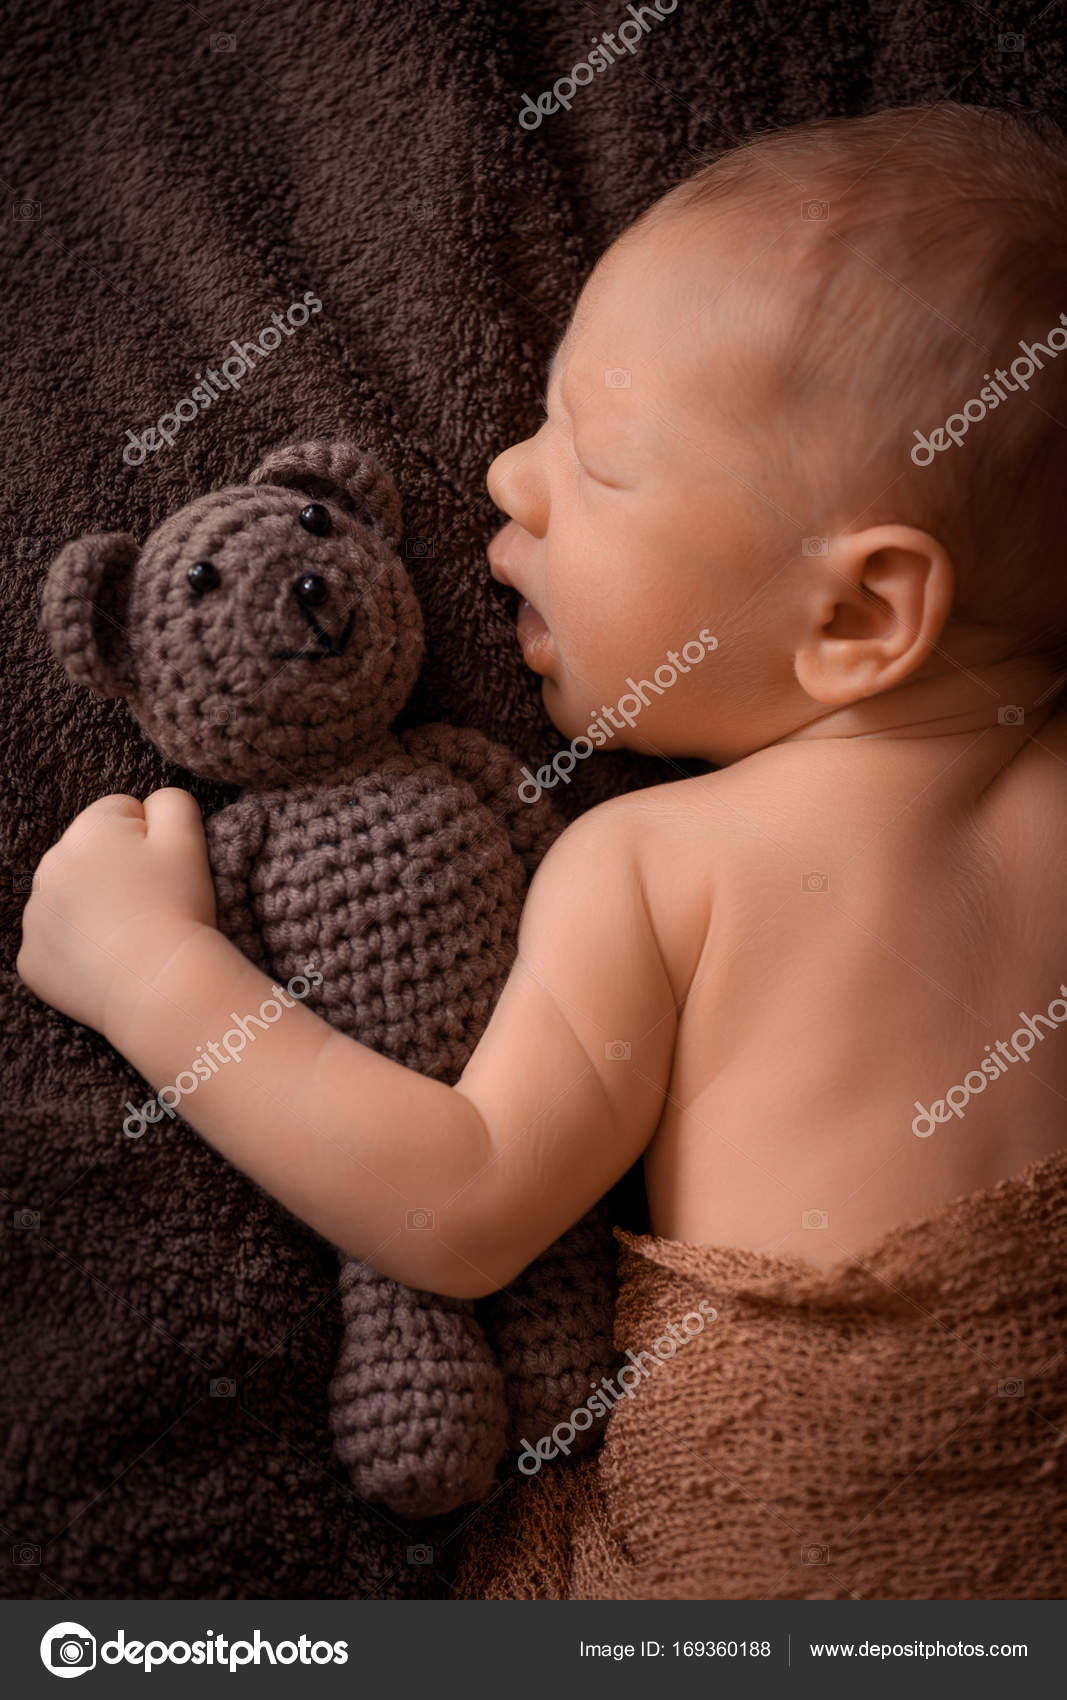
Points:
(533, 635)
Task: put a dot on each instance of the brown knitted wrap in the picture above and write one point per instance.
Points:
(891, 1427)
(395, 864)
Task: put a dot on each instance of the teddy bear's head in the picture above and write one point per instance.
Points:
(263, 633)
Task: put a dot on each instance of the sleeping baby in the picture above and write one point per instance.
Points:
(797, 492)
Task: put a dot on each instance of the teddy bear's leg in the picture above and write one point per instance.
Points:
(417, 1404)
(553, 1331)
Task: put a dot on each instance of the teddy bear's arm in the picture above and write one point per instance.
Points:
(495, 776)
(235, 838)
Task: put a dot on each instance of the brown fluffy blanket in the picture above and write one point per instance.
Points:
(171, 187)
(891, 1428)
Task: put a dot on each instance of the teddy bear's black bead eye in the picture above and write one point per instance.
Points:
(311, 590)
(203, 575)
(316, 519)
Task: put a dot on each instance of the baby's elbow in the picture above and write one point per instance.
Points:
(473, 1248)
(452, 1265)
(449, 1280)
(453, 1285)
(468, 1272)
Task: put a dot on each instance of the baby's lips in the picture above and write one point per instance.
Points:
(532, 632)
(530, 626)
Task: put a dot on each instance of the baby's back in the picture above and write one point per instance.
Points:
(876, 918)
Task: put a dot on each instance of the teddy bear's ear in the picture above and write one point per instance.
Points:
(83, 611)
(341, 472)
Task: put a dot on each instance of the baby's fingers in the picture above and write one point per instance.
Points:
(173, 814)
(105, 811)
(177, 845)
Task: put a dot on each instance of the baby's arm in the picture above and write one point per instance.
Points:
(546, 1116)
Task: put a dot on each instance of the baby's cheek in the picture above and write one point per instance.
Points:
(593, 648)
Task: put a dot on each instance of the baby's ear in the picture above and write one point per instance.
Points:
(340, 472)
(83, 611)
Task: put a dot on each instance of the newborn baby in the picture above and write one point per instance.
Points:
(757, 978)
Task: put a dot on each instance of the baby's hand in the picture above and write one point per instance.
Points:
(111, 902)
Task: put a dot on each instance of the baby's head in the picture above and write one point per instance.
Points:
(792, 410)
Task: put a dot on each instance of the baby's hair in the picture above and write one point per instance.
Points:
(921, 246)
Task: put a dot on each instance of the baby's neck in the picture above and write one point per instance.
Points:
(954, 701)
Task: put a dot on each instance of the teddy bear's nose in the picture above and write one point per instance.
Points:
(311, 590)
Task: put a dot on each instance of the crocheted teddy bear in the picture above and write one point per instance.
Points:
(267, 635)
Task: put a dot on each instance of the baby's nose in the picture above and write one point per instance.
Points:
(514, 487)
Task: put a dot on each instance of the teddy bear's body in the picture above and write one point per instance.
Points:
(267, 635)
(396, 880)
(399, 883)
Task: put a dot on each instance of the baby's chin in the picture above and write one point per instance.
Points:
(562, 706)
(571, 711)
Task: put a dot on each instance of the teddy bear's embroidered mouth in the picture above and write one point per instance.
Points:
(327, 645)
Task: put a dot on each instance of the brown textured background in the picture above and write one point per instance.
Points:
(163, 195)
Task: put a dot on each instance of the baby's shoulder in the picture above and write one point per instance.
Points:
(627, 850)
(654, 816)
(650, 823)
